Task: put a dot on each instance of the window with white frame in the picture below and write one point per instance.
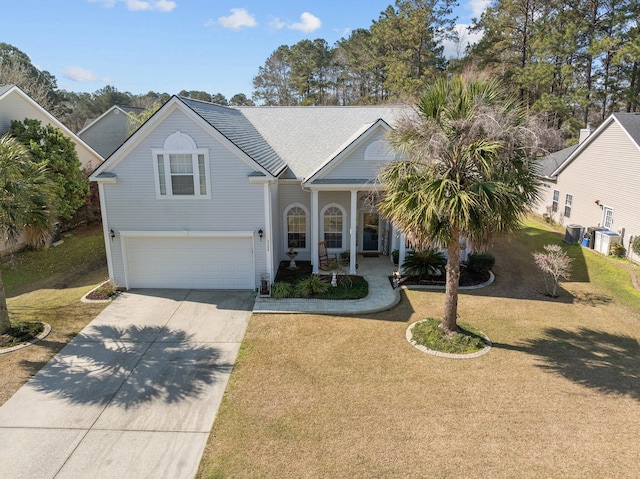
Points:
(333, 226)
(607, 217)
(181, 168)
(556, 201)
(296, 226)
(568, 202)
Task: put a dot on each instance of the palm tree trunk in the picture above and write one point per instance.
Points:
(450, 317)
(4, 312)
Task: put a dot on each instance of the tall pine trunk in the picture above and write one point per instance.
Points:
(450, 317)
(4, 312)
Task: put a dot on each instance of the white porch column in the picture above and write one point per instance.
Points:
(402, 252)
(314, 231)
(268, 234)
(353, 232)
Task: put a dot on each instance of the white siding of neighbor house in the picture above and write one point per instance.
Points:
(607, 170)
(15, 107)
(235, 203)
(354, 166)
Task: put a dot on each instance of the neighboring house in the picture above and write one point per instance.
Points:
(205, 196)
(17, 105)
(597, 182)
(107, 132)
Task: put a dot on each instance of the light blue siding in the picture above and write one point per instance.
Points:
(354, 166)
(235, 203)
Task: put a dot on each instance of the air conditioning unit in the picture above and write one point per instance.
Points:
(604, 239)
(573, 234)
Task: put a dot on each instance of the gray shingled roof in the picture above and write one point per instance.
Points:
(631, 123)
(5, 88)
(307, 137)
(551, 162)
(235, 127)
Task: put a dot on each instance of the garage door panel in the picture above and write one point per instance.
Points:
(206, 263)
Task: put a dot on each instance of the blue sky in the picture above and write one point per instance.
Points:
(170, 45)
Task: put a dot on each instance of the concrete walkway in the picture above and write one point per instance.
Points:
(381, 295)
(134, 395)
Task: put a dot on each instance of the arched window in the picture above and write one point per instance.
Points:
(182, 169)
(296, 224)
(333, 222)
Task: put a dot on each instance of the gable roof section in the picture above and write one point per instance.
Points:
(550, 163)
(126, 110)
(629, 122)
(174, 103)
(336, 158)
(306, 137)
(6, 90)
(241, 132)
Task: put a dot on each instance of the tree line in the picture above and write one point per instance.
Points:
(576, 61)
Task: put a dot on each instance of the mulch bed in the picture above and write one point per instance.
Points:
(467, 278)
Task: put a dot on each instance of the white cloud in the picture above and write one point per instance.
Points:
(239, 18)
(308, 23)
(455, 50)
(477, 7)
(141, 5)
(83, 75)
(276, 24)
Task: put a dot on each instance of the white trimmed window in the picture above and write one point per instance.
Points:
(607, 217)
(181, 168)
(556, 201)
(296, 226)
(568, 203)
(333, 222)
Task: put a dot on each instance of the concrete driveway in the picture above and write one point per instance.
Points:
(133, 395)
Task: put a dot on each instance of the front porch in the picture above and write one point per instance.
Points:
(381, 295)
(349, 223)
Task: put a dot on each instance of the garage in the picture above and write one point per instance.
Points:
(201, 261)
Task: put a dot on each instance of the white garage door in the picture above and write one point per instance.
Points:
(204, 263)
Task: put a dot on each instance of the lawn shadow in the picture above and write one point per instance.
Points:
(131, 366)
(609, 363)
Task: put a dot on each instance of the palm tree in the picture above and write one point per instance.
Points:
(25, 204)
(466, 171)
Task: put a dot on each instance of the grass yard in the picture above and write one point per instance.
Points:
(47, 286)
(348, 397)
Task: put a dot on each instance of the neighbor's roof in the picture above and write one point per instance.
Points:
(631, 123)
(5, 88)
(550, 163)
(307, 137)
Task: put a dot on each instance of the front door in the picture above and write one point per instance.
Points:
(370, 232)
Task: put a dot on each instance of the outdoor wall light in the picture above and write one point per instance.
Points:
(261, 234)
(112, 234)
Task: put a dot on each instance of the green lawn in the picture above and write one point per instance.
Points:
(342, 397)
(47, 286)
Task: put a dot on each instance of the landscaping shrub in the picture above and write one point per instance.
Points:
(480, 262)
(345, 257)
(428, 333)
(425, 263)
(311, 286)
(635, 245)
(395, 255)
(555, 265)
(617, 250)
(281, 289)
